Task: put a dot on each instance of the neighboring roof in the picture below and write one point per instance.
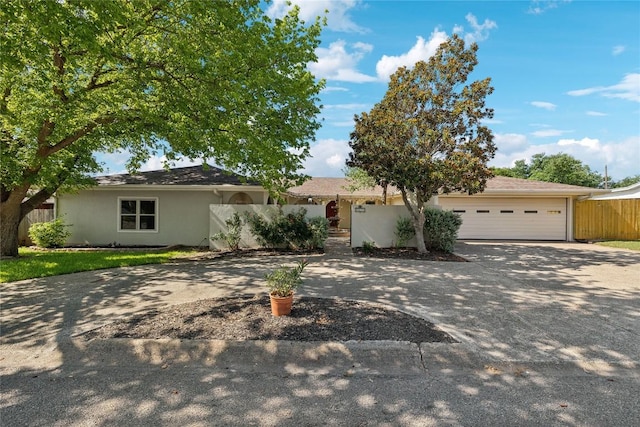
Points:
(330, 187)
(503, 184)
(630, 192)
(192, 175)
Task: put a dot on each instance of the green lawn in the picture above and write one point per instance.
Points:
(36, 263)
(624, 244)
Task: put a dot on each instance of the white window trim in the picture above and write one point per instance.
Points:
(137, 199)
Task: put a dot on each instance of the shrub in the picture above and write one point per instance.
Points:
(319, 226)
(264, 231)
(404, 231)
(368, 247)
(441, 229)
(232, 236)
(291, 230)
(52, 234)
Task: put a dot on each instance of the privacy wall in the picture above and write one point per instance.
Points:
(219, 214)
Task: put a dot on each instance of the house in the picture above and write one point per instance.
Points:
(178, 206)
(508, 209)
(155, 208)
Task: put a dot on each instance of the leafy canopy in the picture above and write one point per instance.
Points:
(426, 135)
(216, 81)
(560, 168)
(213, 80)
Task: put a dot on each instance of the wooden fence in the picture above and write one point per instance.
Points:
(613, 219)
(43, 214)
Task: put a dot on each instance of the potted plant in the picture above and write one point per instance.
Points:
(282, 282)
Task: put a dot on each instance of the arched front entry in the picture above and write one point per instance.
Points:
(331, 212)
(240, 199)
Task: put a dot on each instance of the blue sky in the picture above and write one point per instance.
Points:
(566, 73)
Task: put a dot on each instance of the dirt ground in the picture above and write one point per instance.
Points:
(250, 318)
(311, 319)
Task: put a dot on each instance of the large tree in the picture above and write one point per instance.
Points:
(561, 168)
(209, 80)
(426, 135)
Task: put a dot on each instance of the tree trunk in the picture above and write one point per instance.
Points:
(417, 218)
(419, 229)
(9, 223)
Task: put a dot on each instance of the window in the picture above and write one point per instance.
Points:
(506, 211)
(482, 211)
(137, 214)
(459, 211)
(554, 212)
(531, 212)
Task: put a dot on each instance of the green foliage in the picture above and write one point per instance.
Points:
(33, 263)
(319, 226)
(284, 280)
(560, 168)
(427, 133)
(213, 80)
(289, 231)
(52, 234)
(404, 231)
(234, 229)
(625, 182)
(368, 247)
(441, 229)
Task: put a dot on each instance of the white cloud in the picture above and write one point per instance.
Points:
(336, 11)
(538, 7)
(509, 143)
(337, 63)
(421, 51)
(545, 133)
(628, 88)
(617, 50)
(596, 114)
(621, 157)
(157, 163)
(327, 158)
(546, 105)
(480, 31)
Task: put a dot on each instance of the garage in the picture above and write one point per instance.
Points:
(510, 218)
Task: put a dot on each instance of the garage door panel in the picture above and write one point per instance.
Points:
(509, 218)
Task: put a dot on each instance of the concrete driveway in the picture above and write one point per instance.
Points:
(549, 335)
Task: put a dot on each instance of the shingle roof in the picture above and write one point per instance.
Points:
(503, 183)
(192, 175)
(330, 187)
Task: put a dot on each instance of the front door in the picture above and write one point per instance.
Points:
(331, 212)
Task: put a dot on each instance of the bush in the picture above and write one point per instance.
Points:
(404, 231)
(319, 226)
(441, 229)
(232, 236)
(52, 234)
(368, 247)
(289, 231)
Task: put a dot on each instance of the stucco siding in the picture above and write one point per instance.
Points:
(182, 217)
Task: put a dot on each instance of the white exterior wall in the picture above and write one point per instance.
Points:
(377, 224)
(218, 214)
(182, 216)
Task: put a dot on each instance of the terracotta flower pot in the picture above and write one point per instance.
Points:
(281, 306)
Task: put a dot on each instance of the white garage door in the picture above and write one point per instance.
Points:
(505, 218)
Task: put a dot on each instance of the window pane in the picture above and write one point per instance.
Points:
(127, 207)
(128, 222)
(147, 222)
(148, 207)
